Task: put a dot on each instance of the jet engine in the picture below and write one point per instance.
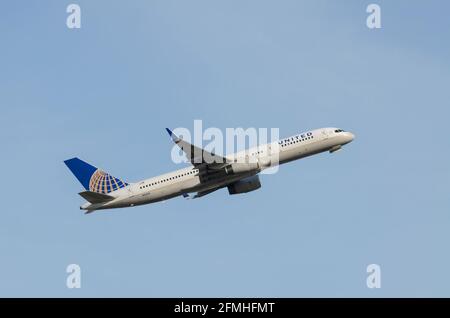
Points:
(245, 185)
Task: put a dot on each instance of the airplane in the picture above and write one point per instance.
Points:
(208, 172)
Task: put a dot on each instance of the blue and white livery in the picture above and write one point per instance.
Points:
(209, 172)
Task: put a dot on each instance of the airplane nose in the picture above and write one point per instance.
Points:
(352, 136)
(349, 136)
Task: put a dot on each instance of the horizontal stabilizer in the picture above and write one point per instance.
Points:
(95, 197)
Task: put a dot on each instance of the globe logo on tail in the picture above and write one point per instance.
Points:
(103, 182)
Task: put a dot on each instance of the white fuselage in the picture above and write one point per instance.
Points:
(195, 179)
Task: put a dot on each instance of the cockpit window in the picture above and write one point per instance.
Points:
(338, 130)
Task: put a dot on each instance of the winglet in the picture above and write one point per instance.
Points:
(170, 132)
(172, 135)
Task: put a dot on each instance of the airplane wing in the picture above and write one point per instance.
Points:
(198, 156)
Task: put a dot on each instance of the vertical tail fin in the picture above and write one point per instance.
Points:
(93, 179)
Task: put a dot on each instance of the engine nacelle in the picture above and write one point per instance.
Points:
(245, 185)
(235, 168)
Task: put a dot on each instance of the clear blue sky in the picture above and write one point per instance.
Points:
(106, 92)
